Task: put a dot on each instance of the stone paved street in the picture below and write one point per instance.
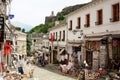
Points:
(45, 74)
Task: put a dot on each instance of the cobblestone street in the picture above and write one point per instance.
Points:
(45, 74)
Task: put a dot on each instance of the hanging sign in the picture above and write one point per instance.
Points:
(1, 29)
(11, 16)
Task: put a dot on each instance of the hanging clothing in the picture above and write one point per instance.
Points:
(79, 54)
(8, 49)
(66, 56)
(62, 57)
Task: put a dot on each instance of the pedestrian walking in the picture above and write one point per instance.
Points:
(30, 69)
(20, 66)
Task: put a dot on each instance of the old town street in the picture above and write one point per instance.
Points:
(41, 73)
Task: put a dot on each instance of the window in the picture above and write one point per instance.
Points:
(78, 23)
(99, 17)
(56, 35)
(60, 36)
(15, 42)
(115, 8)
(63, 35)
(87, 20)
(70, 25)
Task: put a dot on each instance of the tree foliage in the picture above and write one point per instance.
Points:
(28, 46)
(23, 30)
(18, 28)
(42, 28)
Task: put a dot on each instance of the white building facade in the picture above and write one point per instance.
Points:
(96, 25)
(57, 36)
(20, 43)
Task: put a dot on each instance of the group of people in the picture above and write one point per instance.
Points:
(66, 67)
(42, 62)
(18, 64)
(21, 65)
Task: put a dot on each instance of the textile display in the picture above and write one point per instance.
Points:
(8, 49)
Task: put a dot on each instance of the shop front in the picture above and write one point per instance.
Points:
(92, 53)
(74, 48)
(114, 52)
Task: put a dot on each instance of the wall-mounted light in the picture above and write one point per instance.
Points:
(74, 32)
(107, 30)
(111, 19)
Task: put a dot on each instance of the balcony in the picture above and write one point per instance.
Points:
(114, 19)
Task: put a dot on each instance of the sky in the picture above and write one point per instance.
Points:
(33, 12)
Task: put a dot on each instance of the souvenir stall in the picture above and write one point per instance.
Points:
(63, 57)
(92, 54)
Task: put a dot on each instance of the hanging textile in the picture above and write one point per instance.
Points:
(8, 49)
(62, 57)
(52, 37)
(66, 56)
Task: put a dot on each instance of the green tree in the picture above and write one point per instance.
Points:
(18, 28)
(29, 43)
(23, 30)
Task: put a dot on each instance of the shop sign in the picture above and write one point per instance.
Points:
(1, 29)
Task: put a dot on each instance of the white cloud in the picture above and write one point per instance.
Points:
(33, 12)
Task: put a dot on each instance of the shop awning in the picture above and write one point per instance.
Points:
(93, 39)
(77, 45)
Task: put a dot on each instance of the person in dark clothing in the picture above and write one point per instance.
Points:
(116, 65)
(20, 66)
